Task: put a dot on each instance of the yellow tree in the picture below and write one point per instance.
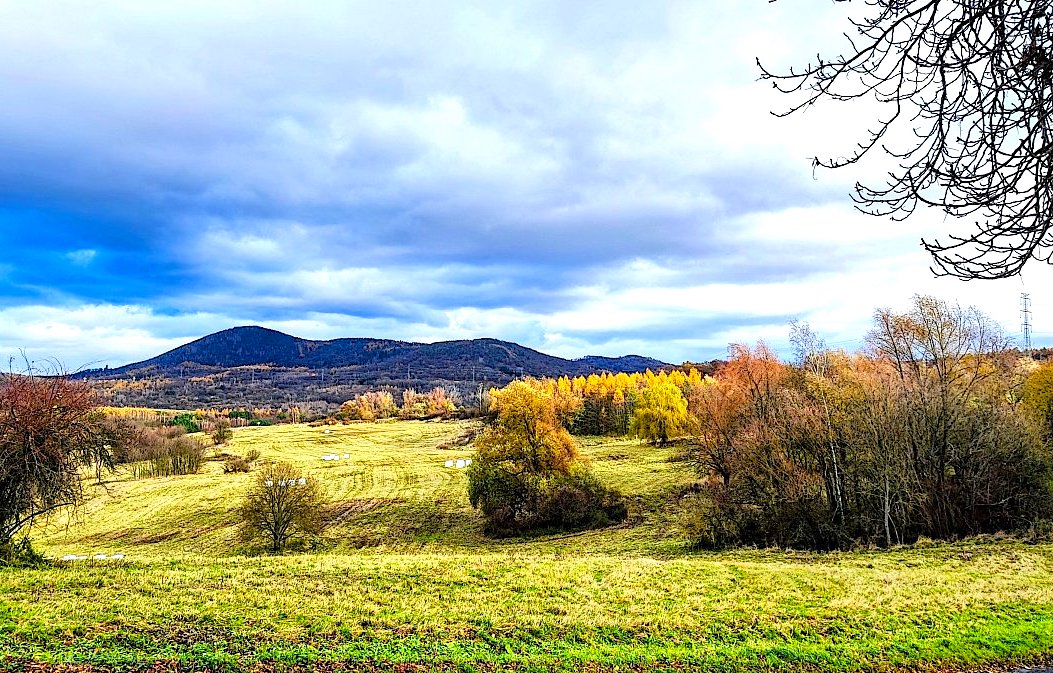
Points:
(661, 413)
(1038, 394)
(527, 435)
(527, 472)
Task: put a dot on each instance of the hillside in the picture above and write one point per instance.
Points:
(405, 581)
(256, 366)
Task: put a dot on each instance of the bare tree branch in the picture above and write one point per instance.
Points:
(970, 83)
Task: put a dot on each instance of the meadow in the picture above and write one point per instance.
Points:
(406, 580)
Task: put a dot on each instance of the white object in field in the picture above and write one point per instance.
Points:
(327, 431)
(347, 456)
(99, 557)
(117, 557)
(70, 557)
(460, 463)
(449, 463)
(302, 481)
(268, 483)
(467, 461)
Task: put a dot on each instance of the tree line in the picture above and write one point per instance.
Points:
(937, 428)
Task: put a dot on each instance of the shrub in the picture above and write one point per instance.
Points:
(236, 464)
(221, 433)
(579, 499)
(21, 554)
(514, 504)
(49, 431)
(170, 456)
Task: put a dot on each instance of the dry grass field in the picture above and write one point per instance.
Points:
(405, 580)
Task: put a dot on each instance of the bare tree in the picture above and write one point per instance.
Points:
(282, 504)
(968, 85)
(49, 431)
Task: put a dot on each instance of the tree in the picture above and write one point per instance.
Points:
(49, 431)
(661, 413)
(969, 89)
(527, 472)
(281, 505)
(921, 436)
(527, 435)
(1038, 395)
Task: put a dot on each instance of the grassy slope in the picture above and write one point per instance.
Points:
(408, 577)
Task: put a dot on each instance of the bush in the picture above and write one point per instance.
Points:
(221, 433)
(49, 432)
(187, 422)
(21, 554)
(579, 499)
(514, 504)
(236, 464)
(711, 521)
(168, 457)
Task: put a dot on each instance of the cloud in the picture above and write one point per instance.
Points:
(579, 178)
(81, 257)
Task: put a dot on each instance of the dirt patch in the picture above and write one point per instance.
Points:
(341, 512)
(462, 440)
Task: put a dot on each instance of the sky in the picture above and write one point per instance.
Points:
(581, 178)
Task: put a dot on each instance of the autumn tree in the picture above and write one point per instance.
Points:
(966, 88)
(49, 432)
(660, 413)
(282, 505)
(1038, 395)
(918, 436)
(436, 402)
(527, 472)
(369, 406)
(527, 435)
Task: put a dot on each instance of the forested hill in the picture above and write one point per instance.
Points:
(260, 365)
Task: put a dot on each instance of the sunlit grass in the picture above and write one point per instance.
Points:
(406, 575)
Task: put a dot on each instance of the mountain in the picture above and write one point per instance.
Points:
(260, 366)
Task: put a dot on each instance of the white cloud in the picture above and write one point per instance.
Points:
(81, 257)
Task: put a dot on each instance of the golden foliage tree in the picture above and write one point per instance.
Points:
(527, 472)
(527, 435)
(661, 413)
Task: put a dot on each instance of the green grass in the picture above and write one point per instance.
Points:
(408, 577)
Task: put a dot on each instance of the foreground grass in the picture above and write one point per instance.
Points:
(408, 579)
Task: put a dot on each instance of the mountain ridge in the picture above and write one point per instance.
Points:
(250, 345)
(254, 365)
